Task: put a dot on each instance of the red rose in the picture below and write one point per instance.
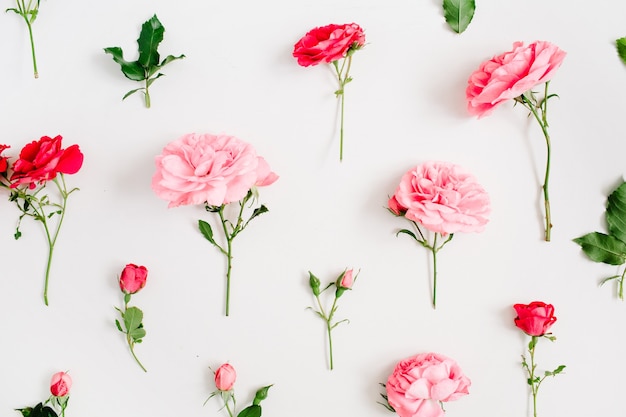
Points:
(42, 160)
(328, 43)
(4, 161)
(133, 278)
(534, 319)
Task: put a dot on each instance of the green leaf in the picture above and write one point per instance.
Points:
(138, 334)
(131, 92)
(132, 318)
(149, 39)
(119, 326)
(151, 80)
(603, 248)
(132, 70)
(261, 394)
(206, 231)
(169, 59)
(621, 48)
(25, 411)
(556, 371)
(250, 411)
(258, 211)
(41, 411)
(458, 13)
(616, 212)
(407, 232)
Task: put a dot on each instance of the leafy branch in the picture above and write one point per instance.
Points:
(29, 12)
(147, 66)
(132, 318)
(610, 248)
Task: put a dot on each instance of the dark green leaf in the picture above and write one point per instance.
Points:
(119, 326)
(258, 211)
(603, 248)
(42, 411)
(621, 48)
(132, 318)
(250, 411)
(616, 212)
(132, 70)
(458, 13)
(206, 231)
(153, 79)
(261, 394)
(149, 39)
(169, 59)
(25, 411)
(408, 232)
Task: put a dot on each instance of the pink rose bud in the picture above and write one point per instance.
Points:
(60, 384)
(347, 279)
(133, 278)
(395, 207)
(225, 377)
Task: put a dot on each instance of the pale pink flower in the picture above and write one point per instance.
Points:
(211, 169)
(60, 384)
(419, 382)
(511, 74)
(225, 377)
(443, 198)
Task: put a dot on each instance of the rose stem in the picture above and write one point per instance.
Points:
(534, 388)
(132, 350)
(147, 94)
(544, 127)
(229, 256)
(328, 326)
(32, 47)
(433, 249)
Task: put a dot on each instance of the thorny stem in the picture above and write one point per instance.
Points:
(543, 123)
(531, 374)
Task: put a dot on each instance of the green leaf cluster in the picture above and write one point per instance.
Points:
(610, 248)
(459, 13)
(132, 318)
(254, 410)
(40, 410)
(146, 67)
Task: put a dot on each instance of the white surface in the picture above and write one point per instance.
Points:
(405, 106)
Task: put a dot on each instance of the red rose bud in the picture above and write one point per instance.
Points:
(225, 377)
(133, 278)
(60, 384)
(534, 319)
(4, 161)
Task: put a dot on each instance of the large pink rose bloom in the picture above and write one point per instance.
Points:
(205, 168)
(511, 74)
(328, 43)
(443, 198)
(418, 383)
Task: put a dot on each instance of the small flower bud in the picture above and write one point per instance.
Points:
(314, 282)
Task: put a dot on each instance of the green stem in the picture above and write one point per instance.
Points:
(131, 345)
(343, 79)
(531, 372)
(147, 95)
(230, 413)
(32, 48)
(229, 257)
(621, 285)
(434, 250)
(544, 128)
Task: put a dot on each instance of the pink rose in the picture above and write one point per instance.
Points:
(511, 74)
(133, 278)
(205, 168)
(42, 160)
(225, 377)
(328, 43)
(534, 319)
(419, 382)
(443, 198)
(60, 384)
(347, 279)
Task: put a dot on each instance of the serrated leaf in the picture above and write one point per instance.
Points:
(603, 248)
(132, 318)
(149, 39)
(458, 13)
(132, 70)
(206, 231)
(250, 411)
(621, 48)
(616, 212)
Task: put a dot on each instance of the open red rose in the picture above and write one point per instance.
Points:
(4, 160)
(534, 319)
(328, 43)
(42, 160)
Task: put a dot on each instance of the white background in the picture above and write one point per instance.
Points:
(405, 106)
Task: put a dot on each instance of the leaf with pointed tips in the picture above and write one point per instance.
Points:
(132, 70)
(603, 248)
(206, 231)
(250, 411)
(616, 212)
(621, 48)
(149, 39)
(459, 13)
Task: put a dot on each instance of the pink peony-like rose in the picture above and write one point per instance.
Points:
(60, 384)
(225, 377)
(42, 160)
(328, 43)
(534, 319)
(511, 74)
(215, 169)
(442, 197)
(133, 278)
(419, 382)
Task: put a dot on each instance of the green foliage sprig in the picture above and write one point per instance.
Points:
(610, 248)
(148, 64)
(132, 318)
(29, 12)
(458, 13)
